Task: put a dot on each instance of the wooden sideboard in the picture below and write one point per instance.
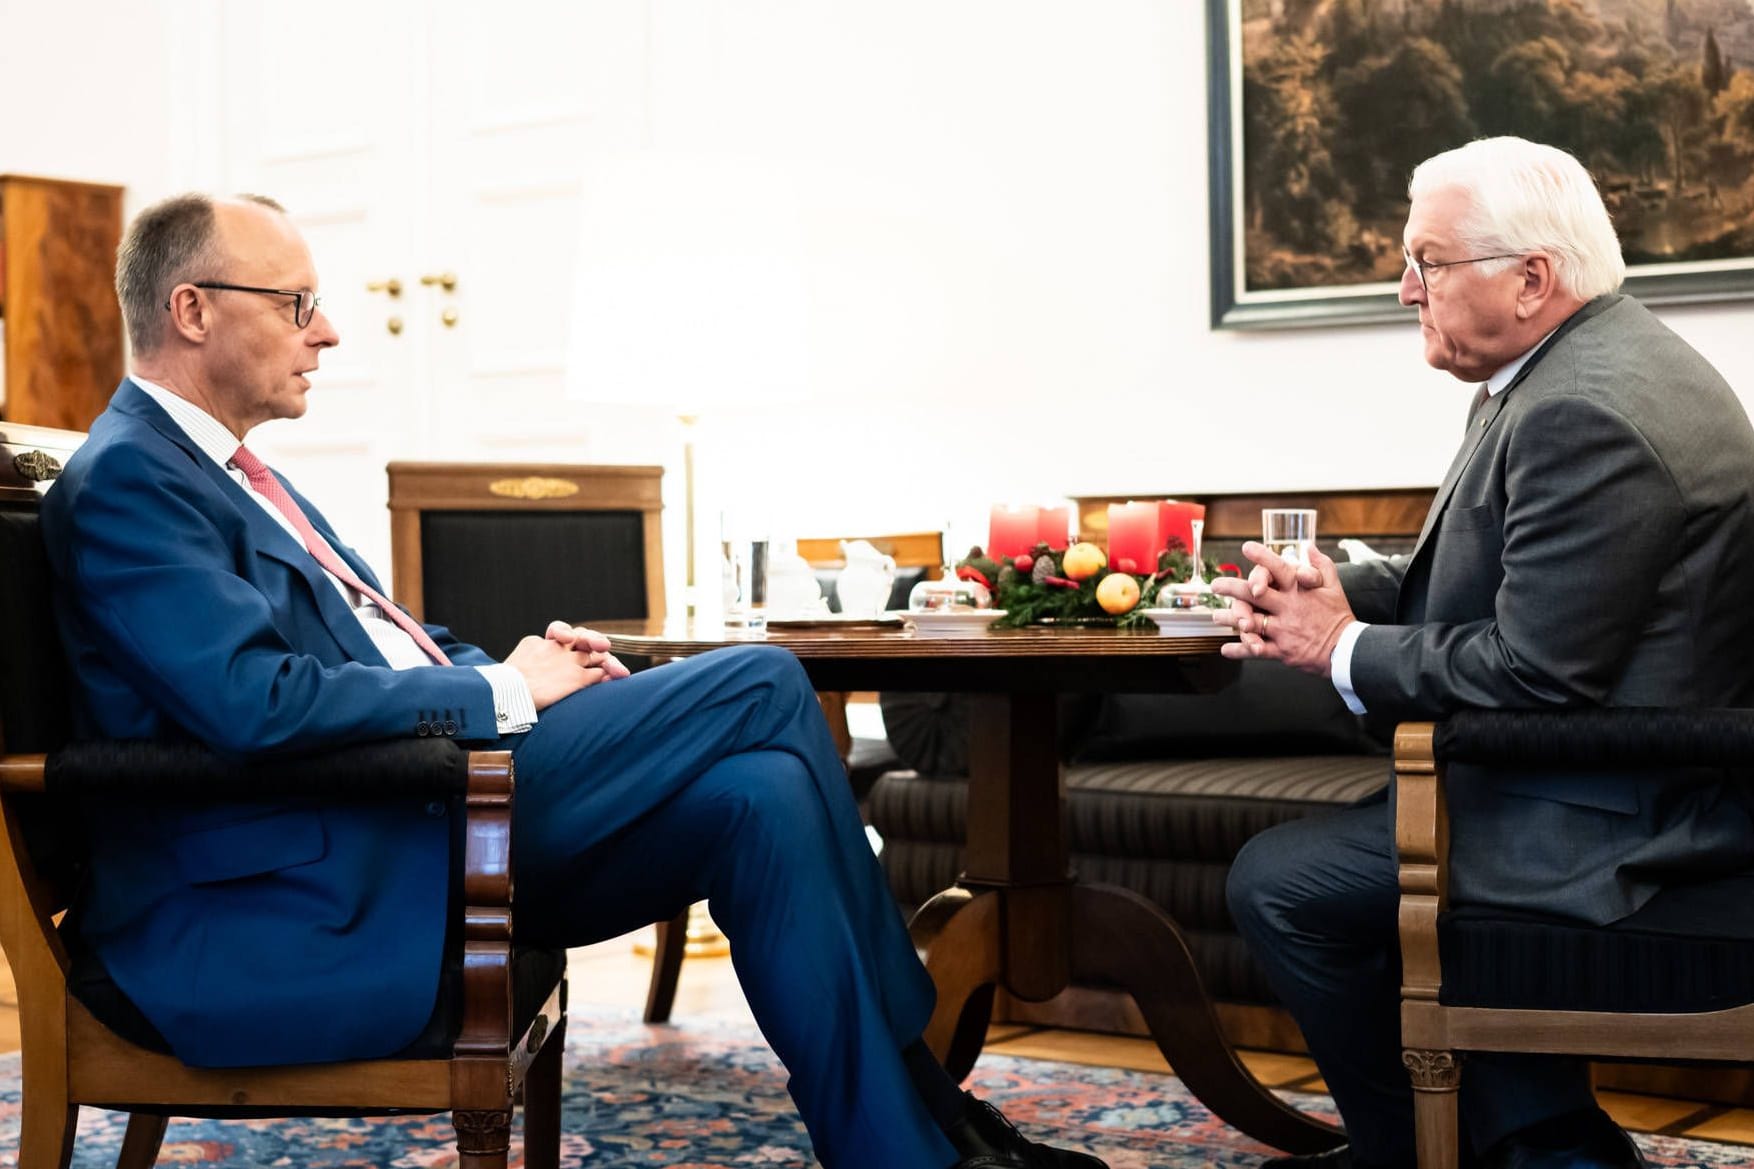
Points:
(1388, 513)
(63, 327)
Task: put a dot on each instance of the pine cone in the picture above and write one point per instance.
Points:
(1043, 568)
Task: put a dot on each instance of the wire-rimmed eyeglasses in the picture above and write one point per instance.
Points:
(305, 301)
(1419, 266)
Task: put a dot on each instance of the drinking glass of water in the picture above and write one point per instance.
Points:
(743, 572)
(1289, 531)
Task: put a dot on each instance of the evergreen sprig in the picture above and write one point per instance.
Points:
(1037, 597)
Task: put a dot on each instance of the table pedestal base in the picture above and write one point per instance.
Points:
(1120, 939)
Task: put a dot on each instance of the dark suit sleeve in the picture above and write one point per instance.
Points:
(1372, 587)
(155, 586)
(1587, 533)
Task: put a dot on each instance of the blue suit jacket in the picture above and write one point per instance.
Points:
(253, 932)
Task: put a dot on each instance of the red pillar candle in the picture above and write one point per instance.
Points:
(1132, 537)
(1012, 531)
(1176, 519)
(1053, 527)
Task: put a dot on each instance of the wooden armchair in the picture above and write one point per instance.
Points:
(499, 1024)
(1675, 981)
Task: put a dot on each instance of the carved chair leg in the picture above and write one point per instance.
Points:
(542, 1103)
(1436, 1076)
(666, 967)
(483, 1138)
(141, 1144)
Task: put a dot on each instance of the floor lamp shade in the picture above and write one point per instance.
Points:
(690, 295)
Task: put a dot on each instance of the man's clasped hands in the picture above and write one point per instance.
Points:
(1285, 611)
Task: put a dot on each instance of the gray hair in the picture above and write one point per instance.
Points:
(1528, 197)
(170, 243)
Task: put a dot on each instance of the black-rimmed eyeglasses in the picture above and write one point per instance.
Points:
(305, 302)
(1419, 266)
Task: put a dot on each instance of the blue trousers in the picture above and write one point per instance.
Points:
(1316, 900)
(715, 778)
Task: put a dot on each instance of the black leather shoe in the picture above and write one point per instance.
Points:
(1339, 1157)
(986, 1140)
(1577, 1140)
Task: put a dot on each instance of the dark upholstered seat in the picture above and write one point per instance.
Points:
(1674, 980)
(1689, 949)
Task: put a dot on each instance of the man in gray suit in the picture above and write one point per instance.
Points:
(1591, 545)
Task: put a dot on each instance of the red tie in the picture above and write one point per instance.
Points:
(269, 488)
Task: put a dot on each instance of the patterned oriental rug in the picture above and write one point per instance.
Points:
(708, 1094)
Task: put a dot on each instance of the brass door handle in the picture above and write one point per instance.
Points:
(449, 318)
(445, 280)
(392, 286)
(394, 324)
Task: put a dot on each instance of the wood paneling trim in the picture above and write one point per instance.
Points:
(1396, 511)
(111, 1070)
(910, 549)
(469, 486)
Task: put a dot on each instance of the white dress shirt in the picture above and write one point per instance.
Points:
(1340, 663)
(514, 709)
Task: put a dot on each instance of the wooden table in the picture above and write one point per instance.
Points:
(1018, 916)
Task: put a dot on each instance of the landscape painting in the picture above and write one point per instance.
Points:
(1321, 109)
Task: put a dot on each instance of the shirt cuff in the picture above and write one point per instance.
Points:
(1340, 665)
(514, 710)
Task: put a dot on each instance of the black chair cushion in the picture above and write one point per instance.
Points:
(1268, 710)
(1690, 948)
(868, 759)
(35, 707)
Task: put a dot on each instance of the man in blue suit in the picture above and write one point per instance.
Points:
(201, 598)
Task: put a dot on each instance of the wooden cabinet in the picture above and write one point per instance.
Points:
(62, 326)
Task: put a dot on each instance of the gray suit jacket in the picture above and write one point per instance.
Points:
(1591, 545)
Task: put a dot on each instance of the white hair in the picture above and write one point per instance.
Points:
(1528, 197)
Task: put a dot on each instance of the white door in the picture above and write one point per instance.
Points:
(330, 123)
(443, 145)
(523, 99)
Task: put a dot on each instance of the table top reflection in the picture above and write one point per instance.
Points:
(866, 656)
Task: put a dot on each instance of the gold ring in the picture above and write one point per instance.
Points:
(1264, 619)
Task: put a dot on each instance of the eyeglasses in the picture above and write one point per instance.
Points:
(1420, 266)
(304, 306)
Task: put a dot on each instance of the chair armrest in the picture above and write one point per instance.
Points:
(1422, 845)
(21, 773)
(1625, 738)
(398, 767)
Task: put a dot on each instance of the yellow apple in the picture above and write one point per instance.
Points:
(1082, 561)
(1117, 593)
